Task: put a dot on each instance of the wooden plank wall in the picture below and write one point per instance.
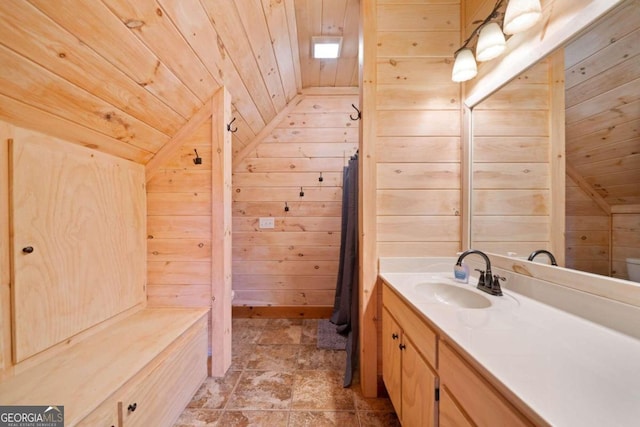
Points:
(296, 262)
(625, 241)
(418, 129)
(511, 170)
(179, 227)
(587, 236)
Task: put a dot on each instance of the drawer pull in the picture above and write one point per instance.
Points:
(132, 407)
(394, 336)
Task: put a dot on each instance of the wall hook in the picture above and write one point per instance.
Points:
(358, 117)
(286, 207)
(229, 126)
(301, 192)
(198, 159)
(320, 178)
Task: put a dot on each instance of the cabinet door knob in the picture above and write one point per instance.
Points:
(132, 407)
(394, 336)
(402, 346)
(27, 249)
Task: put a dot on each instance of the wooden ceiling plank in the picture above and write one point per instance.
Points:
(293, 38)
(27, 116)
(150, 23)
(613, 99)
(34, 35)
(195, 26)
(170, 148)
(267, 130)
(615, 53)
(309, 21)
(278, 26)
(348, 61)
(604, 120)
(616, 75)
(616, 26)
(610, 135)
(255, 27)
(24, 80)
(234, 41)
(104, 33)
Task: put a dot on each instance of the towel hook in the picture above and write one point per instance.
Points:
(198, 159)
(358, 117)
(229, 126)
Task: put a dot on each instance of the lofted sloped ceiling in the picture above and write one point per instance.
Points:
(123, 76)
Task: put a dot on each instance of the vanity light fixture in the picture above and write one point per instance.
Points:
(464, 68)
(326, 47)
(491, 42)
(520, 15)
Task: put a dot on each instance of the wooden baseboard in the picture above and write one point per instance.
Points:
(284, 312)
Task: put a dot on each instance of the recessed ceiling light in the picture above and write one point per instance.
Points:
(326, 47)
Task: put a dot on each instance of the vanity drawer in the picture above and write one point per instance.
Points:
(480, 401)
(412, 324)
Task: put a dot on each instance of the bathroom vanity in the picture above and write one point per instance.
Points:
(541, 354)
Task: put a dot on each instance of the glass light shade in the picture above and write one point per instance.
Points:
(521, 15)
(491, 42)
(464, 67)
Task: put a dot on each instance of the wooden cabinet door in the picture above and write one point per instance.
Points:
(391, 359)
(449, 414)
(79, 245)
(419, 384)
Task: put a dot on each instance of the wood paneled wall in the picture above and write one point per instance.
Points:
(296, 262)
(625, 241)
(588, 231)
(511, 166)
(179, 227)
(418, 129)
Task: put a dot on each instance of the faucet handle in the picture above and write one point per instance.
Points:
(495, 284)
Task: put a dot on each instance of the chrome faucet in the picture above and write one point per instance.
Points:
(487, 282)
(543, 251)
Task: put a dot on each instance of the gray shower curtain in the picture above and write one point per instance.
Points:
(345, 309)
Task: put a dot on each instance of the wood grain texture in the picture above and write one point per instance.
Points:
(306, 239)
(136, 345)
(512, 192)
(83, 213)
(6, 136)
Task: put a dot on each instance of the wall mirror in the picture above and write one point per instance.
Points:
(584, 99)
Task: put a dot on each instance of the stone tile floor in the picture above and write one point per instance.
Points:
(279, 378)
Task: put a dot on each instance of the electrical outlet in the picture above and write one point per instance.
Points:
(267, 222)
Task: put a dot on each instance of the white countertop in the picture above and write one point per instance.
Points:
(569, 370)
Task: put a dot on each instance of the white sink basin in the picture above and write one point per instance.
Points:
(452, 295)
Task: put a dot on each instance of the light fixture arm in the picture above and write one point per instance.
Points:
(493, 15)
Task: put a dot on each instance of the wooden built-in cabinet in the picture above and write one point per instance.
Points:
(75, 330)
(408, 369)
(428, 381)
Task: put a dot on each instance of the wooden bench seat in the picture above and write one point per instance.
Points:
(156, 355)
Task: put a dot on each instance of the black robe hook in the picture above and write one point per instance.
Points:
(358, 117)
(229, 126)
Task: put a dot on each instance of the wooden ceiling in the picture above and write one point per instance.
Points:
(602, 100)
(123, 76)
